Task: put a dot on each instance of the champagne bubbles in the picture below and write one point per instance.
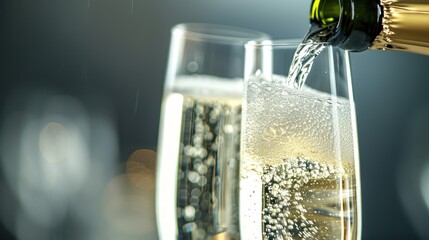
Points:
(189, 213)
(297, 167)
(207, 172)
(293, 196)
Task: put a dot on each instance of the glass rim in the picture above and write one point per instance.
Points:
(218, 33)
(281, 43)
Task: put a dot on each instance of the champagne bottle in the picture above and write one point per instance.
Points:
(357, 25)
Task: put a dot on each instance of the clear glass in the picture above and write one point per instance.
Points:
(199, 140)
(299, 169)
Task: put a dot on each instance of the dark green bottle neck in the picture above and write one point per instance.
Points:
(349, 24)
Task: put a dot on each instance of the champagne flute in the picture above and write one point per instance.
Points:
(199, 141)
(299, 154)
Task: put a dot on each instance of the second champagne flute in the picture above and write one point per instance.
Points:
(199, 141)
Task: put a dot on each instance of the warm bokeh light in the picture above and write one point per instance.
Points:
(129, 200)
(141, 167)
(128, 210)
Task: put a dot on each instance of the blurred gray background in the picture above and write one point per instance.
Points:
(108, 58)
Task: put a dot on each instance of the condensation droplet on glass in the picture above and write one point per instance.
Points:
(192, 66)
(189, 213)
(203, 181)
(269, 133)
(196, 192)
(193, 177)
(253, 89)
(228, 129)
(201, 169)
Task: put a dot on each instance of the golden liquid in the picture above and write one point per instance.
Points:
(198, 154)
(304, 199)
(298, 165)
(405, 26)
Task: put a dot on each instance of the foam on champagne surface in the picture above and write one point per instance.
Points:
(283, 122)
